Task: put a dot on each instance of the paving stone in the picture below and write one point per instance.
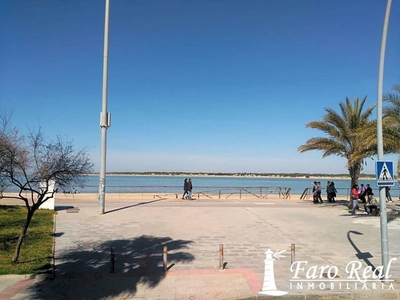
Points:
(323, 236)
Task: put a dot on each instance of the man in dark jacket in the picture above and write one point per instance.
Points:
(314, 192)
(190, 189)
(368, 191)
(185, 188)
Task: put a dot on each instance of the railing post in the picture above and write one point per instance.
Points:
(221, 256)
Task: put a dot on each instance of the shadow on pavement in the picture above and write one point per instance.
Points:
(133, 205)
(62, 207)
(84, 272)
(362, 255)
(341, 203)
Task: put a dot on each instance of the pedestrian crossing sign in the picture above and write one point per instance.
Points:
(384, 173)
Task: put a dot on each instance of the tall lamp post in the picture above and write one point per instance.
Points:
(105, 117)
(382, 194)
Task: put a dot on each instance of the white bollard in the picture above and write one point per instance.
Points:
(49, 204)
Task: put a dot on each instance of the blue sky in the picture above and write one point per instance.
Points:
(194, 86)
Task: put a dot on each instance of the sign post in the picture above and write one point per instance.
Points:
(379, 136)
(384, 178)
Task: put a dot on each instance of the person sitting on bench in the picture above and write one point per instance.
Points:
(371, 204)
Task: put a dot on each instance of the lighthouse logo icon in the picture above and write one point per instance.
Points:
(269, 286)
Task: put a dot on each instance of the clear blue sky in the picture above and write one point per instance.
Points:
(202, 86)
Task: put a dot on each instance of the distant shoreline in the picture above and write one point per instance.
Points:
(241, 175)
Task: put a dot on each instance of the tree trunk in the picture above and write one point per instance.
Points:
(22, 235)
(354, 172)
(398, 167)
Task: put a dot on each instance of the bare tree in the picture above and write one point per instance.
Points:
(31, 164)
(7, 138)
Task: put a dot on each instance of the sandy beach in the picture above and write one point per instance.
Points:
(61, 198)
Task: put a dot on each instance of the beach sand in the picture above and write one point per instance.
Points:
(61, 198)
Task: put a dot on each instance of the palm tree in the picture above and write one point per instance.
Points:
(392, 112)
(350, 134)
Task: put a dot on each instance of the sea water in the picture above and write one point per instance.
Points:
(209, 184)
(225, 184)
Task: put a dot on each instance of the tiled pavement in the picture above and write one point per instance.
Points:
(323, 235)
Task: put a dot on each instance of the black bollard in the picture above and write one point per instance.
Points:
(112, 260)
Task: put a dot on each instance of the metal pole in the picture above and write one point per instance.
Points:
(221, 256)
(382, 196)
(292, 254)
(104, 116)
(165, 258)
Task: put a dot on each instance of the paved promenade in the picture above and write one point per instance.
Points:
(326, 239)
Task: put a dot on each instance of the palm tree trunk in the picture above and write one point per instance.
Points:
(354, 172)
(398, 167)
(22, 235)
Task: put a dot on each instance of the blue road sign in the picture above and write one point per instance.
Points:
(384, 173)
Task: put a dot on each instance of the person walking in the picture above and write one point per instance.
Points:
(328, 183)
(319, 198)
(314, 192)
(334, 194)
(331, 190)
(363, 193)
(190, 187)
(388, 196)
(185, 189)
(354, 195)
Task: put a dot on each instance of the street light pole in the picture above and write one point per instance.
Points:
(382, 193)
(105, 117)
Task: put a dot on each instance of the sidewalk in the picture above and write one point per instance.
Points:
(323, 235)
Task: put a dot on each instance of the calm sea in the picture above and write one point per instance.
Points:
(174, 184)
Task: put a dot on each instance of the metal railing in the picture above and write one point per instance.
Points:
(244, 192)
(211, 192)
(340, 192)
(345, 192)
